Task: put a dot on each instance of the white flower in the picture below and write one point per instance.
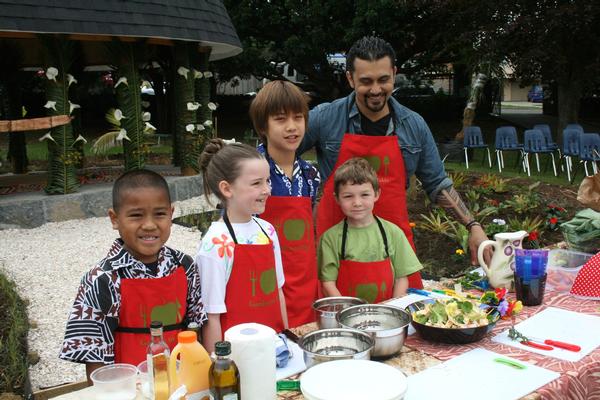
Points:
(47, 136)
(197, 74)
(146, 116)
(208, 122)
(121, 80)
(118, 114)
(73, 106)
(50, 104)
(149, 126)
(51, 74)
(212, 106)
(190, 127)
(193, 106)
(80, 138)
(208, 74)
(146, 84)
(229, 141)
(123, 135)
(71, 79)
(199, 127)
(183, 71)
(499, 221)
(145, 104)
(471, 105)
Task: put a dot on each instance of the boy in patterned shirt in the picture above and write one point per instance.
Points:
(139, 281)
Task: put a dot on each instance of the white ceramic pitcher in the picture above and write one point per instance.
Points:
(500, 270)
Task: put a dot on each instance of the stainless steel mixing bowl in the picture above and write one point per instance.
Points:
(335, 344)
(388, 325)
(327, 308)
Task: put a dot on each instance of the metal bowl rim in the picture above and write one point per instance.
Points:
(358, 332)
(336, 300)
(380, 306)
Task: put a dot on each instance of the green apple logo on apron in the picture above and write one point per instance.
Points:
(267, 281)
(375, 162)
(293, 229)
(167, 313)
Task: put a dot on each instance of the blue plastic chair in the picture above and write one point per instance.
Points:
(473, 139)
(534, 142)
(570, 148)
(550, 143)
(506, 140)
(589, 150)
(576, 127)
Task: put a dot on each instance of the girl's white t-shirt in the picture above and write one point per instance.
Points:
(215, 258)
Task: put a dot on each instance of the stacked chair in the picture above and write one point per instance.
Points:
(473, 139)
(506, 140)
(535, 142)
(550, 143)
(570, 148)
(589, 150)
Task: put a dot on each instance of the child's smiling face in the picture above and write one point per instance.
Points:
(357, 202)
(247, 195)
(143, 220)
(285, 131)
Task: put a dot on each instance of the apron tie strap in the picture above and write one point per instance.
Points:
(345, 236)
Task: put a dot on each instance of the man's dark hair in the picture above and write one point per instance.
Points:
(136, 179)
(369, 48)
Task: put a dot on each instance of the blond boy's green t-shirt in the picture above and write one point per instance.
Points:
(365, 244)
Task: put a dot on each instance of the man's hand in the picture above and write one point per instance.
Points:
(476, 237)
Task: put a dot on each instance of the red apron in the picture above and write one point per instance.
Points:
(292, 218)
(383, 153)
(252, 294)
(371, 281)
(146, 300)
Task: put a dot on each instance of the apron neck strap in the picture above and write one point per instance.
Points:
(381, 230)
(392, 119)
(231, 231)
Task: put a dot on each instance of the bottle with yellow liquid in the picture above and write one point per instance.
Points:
(194, 365)
(224, 374)
(157, 356)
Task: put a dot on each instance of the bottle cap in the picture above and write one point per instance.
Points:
(187, 337)
(222, 348)
(193, 325)
(156, 325)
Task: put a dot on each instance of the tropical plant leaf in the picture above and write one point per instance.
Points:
(106, 142)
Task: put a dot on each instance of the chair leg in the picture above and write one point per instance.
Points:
(466, 157)
(594, 167)
(499, 163)
(585, 167)
(568, 168)
(527, 167)
(537, 162)
(489, 158)
(553, 164)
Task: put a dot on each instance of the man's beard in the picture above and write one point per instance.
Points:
(378, 107)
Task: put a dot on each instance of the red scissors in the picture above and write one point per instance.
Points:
(548, 344)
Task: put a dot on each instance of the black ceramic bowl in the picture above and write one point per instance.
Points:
(450, 335)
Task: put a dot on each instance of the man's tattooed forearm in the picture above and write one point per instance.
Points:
(450, 200)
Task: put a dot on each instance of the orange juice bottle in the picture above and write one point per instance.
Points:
(193, 369)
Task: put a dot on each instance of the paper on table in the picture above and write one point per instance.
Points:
(295, 365)
(468, 377)
(561, 325)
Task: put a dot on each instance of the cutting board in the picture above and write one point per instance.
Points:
(475, 375)
(561, 325)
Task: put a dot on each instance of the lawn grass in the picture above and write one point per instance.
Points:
(13, 338)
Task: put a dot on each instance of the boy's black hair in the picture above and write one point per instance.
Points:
(369, 48)
(138, 178)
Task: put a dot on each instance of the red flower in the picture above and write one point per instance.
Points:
(533, 236)
(226, 246)
(500, 293)
(553, 220)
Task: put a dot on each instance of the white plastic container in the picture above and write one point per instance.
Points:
(563, 267)
(115, 382)
(353, 380)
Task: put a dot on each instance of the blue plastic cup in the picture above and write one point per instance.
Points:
(530, 264)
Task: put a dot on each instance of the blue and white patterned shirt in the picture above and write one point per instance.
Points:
(305, 178)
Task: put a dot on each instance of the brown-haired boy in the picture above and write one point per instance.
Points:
(139, 281)
(363, 255)
(279, 114)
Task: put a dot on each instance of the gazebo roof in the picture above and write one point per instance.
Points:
(203, 21)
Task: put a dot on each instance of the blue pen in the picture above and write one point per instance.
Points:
(419, 291)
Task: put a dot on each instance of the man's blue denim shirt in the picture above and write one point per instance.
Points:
(328, 122)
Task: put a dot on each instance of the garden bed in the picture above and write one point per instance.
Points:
(522, 204)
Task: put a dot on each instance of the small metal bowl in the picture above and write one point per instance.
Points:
(336, 344)
(327, 308)
(388, 325)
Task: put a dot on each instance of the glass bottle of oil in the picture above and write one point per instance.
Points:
(224, 374)
(157, 356)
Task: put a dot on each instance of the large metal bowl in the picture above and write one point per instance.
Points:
(336, 344)
(388, 325)
(327, 308)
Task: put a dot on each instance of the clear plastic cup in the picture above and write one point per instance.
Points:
(144, 379)
(115, 382)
